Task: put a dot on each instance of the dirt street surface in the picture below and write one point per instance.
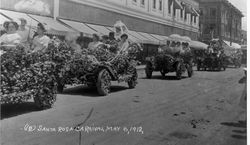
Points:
(202, 110)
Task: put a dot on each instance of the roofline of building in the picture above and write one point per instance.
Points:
(225, 2)
(231, 5)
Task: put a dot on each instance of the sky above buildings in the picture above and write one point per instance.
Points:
(242, 6)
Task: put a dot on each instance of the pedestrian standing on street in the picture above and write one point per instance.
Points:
(41, 41)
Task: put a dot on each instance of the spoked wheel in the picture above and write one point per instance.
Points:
(103, 82)
(133, 80)
(178, 71)
(45, 98)
(148, 71)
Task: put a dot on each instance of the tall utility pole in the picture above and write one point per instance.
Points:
(231, 24)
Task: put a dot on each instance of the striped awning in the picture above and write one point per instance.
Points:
(177, 4)
(80, 27)
(102, 30)
(53, 26)
(3, 19)
(15, 16)
(130, 37)
(198, 45)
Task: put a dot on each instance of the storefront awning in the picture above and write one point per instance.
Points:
(150, 37)
(99, 29)
(234, 45)
(163, 39)
(140, 37)
(78, 26)
(53, 26)
(15, 16)
(195, 13)
(3, 19)
(177, 4)
(144, 38)
(188, 9)
(244, 47)
(198, 45)
(130, 37)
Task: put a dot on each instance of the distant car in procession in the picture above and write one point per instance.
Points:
(175, 57)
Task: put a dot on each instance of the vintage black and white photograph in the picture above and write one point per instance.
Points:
(123, 72)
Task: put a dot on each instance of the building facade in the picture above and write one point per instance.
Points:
(220, 19)
(243, 37)
(163, 17)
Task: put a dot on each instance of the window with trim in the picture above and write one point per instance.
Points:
(169, 6)
(143, 2)
(212, 12)
(154, 4)
(195, 19)
(181, 13)
(201, 12)
(160, 5)
(134, 2)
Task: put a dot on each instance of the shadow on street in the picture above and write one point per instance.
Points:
(11, 110)
(159, 77)
(239, 133)
(90, 91)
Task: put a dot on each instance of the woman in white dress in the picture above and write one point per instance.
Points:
(96, 42)
(41, 41)
(11, 37)
(123, 45)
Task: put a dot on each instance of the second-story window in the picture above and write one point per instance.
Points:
(154, 4)
(160, 5)
(213, 12)
(143, 2)
(181, 13)
(169, 6)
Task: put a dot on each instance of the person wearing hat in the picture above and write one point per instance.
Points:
(123, 44)
(95, 43)
(11, 37)
(22, 31)
(41, 41)
(70, 40)
(110, 44)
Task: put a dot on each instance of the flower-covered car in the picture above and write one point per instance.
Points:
(25, 76)
(99, 67)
